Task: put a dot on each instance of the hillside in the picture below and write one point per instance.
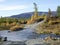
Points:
(29, 14)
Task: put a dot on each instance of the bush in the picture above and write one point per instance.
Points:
(16, 28)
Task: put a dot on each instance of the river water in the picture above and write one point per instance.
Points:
(22, 35)
(18, 35)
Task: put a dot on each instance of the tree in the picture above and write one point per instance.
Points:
(35, 16)
(49, 12)
(36, 10)
(58, 11)
(49, 15)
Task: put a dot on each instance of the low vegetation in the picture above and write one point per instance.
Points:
(51, 24)
(16, 28)
(8, 23)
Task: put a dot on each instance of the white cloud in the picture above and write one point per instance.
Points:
(2, 0)
(12, 7)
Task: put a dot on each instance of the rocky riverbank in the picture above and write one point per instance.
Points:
(31, 42)
(12, 43)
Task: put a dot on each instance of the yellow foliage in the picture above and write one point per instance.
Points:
(50, 22)
(29, 22)
(16, 27)
(3, 24)
(13, 24)
(7, 24)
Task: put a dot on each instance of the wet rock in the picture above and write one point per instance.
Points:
(12, 43)
(35, 42)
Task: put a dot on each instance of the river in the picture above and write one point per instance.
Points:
(16, 35)
(25, 34)
(22, 35)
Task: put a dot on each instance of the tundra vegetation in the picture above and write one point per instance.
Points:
(10, 23)
(51, 23)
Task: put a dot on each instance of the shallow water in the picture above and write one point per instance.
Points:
(16, 35)
(22, 35)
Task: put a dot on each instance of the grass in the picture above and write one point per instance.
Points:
(52, 26)
(12, 26)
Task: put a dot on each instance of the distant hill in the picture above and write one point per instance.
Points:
(29, 14)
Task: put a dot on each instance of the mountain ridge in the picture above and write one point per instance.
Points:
(29, 14)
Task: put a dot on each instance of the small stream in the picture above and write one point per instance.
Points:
(22, 35)
(25, 34)
(16, 35)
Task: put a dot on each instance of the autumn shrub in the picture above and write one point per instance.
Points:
(16, 28)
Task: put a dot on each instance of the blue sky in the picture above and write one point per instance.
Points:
(13, 7)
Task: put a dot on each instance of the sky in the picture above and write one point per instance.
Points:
(14, 7)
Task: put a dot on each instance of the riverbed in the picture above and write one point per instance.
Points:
(23, 37)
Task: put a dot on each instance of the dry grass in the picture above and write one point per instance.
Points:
(49, 27)
(16, 28)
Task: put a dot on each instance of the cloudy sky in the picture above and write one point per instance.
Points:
(13, 7)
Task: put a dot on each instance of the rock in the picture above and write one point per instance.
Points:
(35, 41)
(12, 43)
(48, 38)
